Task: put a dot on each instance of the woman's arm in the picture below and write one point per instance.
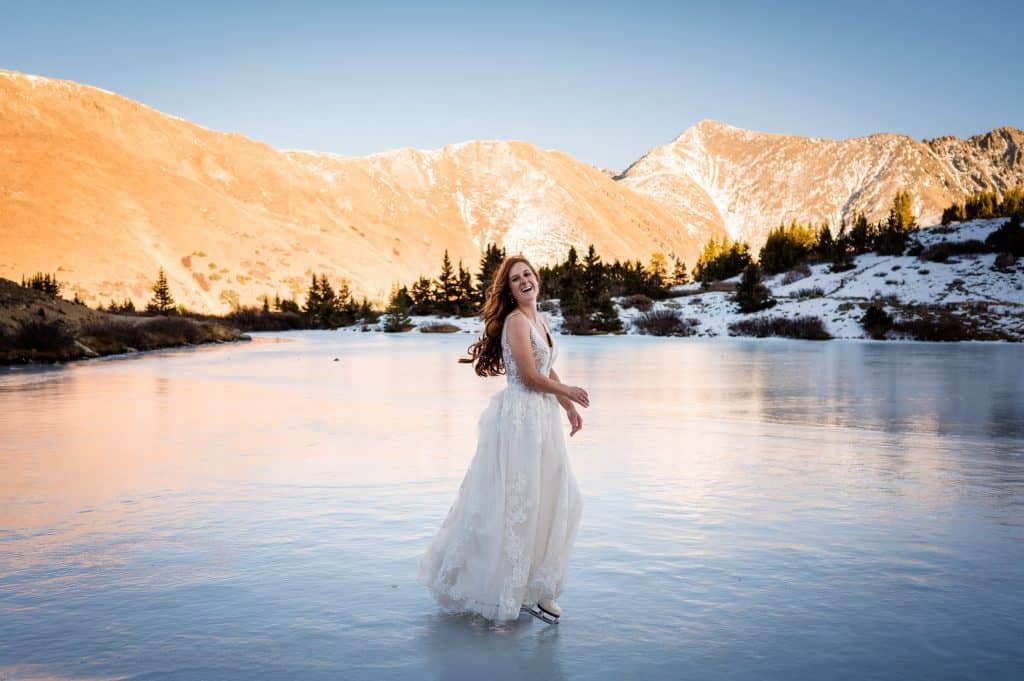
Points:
(519, 342)
(566, 404)
(575, 420)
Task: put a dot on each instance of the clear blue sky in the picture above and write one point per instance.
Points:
(604, 82)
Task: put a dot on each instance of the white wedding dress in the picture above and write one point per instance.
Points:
(507, 537)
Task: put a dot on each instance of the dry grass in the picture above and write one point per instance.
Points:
(665, 323)
(804, 327)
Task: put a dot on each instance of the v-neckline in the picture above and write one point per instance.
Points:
(546, 335)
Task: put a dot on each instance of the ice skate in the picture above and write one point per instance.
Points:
(546, 611)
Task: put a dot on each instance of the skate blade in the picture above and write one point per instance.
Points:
(542, 615)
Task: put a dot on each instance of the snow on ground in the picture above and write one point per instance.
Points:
(960, 283)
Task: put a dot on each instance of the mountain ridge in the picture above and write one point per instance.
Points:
(106, 190)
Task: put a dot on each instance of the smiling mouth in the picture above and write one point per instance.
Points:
(526, 289)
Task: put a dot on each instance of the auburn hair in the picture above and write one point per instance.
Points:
(485, 353)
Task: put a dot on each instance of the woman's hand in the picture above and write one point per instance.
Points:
(577, 395)
(575, 420)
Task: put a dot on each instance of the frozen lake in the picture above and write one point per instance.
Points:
(752, 510)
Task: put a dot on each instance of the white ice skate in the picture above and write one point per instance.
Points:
(546, 611)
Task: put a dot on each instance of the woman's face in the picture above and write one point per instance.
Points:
(523, 283)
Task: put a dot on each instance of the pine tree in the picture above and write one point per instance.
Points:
(162, 301)
(751, 294)
(314, 301)
(489, 263)
(862, 236)
(825, 242)
(571, 283)
(657, 275)
(679, 275)
(465, 294)
(840, 251)
(396, 316)
(893, 237)
(422, 294)
(446, 288)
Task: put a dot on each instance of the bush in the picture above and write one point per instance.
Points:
(804, 327)
(796, 274)
(805, 293)
(162, 331)
(941, 327)
(941, 251)
(43, 336)
(664, 323)
(249, 318)
(1009, 238)
(113, 336)
(877, 322)
(639, 301)
(439, 327)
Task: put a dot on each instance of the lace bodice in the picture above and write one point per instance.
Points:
(543, 356)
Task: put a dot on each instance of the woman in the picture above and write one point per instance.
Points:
(504, 546)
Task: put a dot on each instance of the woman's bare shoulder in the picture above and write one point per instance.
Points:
(516, 318)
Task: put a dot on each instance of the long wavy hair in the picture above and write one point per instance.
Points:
(485, 353)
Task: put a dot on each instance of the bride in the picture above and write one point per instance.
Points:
(504, 545)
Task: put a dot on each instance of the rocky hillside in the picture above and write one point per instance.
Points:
(753, 180)
(104, 191)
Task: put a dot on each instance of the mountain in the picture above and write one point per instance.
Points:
(755, 180)
(105, 191)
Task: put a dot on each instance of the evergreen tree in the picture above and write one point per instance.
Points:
(679, 275)
(162, 301)
(446, 289)
(721, 260)
(825, 242)
(862, 236)
(314, 302)
(465, 293)
(751, 294)
(396, 315)
(570, 284)
(892, 239)
(489, 263)
(46, 283)
(422, 297)
(657, 276)
(840, 254)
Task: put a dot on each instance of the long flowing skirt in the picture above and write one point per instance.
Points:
(507, 538)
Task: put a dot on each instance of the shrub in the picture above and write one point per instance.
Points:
(805, 293)
(162, 331)
(877, 322)
(43, 336)
(803, 327)
(1009, 238)
(250, 318)
(664, 323)
(942, 327)
(439, 327)
(796, 274)
(941, 251)
(639, 301)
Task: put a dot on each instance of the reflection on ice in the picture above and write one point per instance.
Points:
(751, 509)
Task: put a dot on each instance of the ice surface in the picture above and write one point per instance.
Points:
(752, 509)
